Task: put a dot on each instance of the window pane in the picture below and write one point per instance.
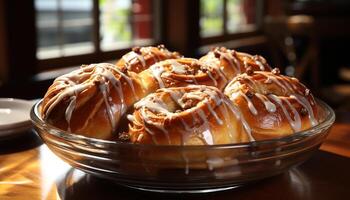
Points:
(77, 27)
(47, 27)
(211, 19)
(64, 27)
(125, 23)
(241, 15)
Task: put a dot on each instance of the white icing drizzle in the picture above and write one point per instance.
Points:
(111, 78)
(252, 83)
(175, 95)
(131, 56)
(270, 107)
(67, 92)
(157, 71)
(287, 83)
(228, 123)
(261, 66)
(305, 103)
(213, 95)
(218, 120)
(104, 90)
(187, 128)
(154, 104)
(221, 74)
(131, 118)
(71, 87)
(212, 78)
(208, 137)
(290, 112)
(177, 67)
(215, 65)
(295, 88)
(250, 104)
(69, 110)
(274, 79)
(293, 123)
(228, 56)
(281, 81)
(296, 115)
(235, 110)
(257, 60)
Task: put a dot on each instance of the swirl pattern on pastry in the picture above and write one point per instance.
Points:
(192, 115)
(141, 58)
(274, 105)
(90, 100)
(185, 104)
(232, 62)
(182, 72)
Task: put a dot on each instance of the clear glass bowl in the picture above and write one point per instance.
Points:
(184, 168)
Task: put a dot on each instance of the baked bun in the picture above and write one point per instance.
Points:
(272, 104)
(223, 97)
(182, 72)
(141, 58)
(91, 100)
(233, 63)
(192, 115)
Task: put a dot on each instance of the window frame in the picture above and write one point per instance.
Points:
(226, 36)
(98, 55)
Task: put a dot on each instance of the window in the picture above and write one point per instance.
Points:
(225, 17)
(64, 28)
(211, 20)
(71, 28)
(124, 24)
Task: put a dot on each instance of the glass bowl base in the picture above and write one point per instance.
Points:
(184, 191)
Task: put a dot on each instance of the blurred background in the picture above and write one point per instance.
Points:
(42, 39)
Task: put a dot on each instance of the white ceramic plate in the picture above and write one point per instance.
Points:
(14, 116)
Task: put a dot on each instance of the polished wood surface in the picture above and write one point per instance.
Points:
(29, 170)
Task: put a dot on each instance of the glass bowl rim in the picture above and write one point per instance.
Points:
(39, 122)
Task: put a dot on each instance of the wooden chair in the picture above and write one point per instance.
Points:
(283, 33)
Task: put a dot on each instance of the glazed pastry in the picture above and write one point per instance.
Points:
(91, 100)
(273, 105)
(182, 72)
(191, 115)
(141, 58)
(182, 100)
(233, 63)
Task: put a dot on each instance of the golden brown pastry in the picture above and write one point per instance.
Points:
(91, 100)
(141, 58)
(185, 104)
(191, 115)
(272, 104)
(182, 72)
(233, 63)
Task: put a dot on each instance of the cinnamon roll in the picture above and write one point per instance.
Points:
(273, 105)
(233, 63)
(181, 72)
(141, 58)
(91, 100)
(191, 115)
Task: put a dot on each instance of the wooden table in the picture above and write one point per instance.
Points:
(29, 170)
